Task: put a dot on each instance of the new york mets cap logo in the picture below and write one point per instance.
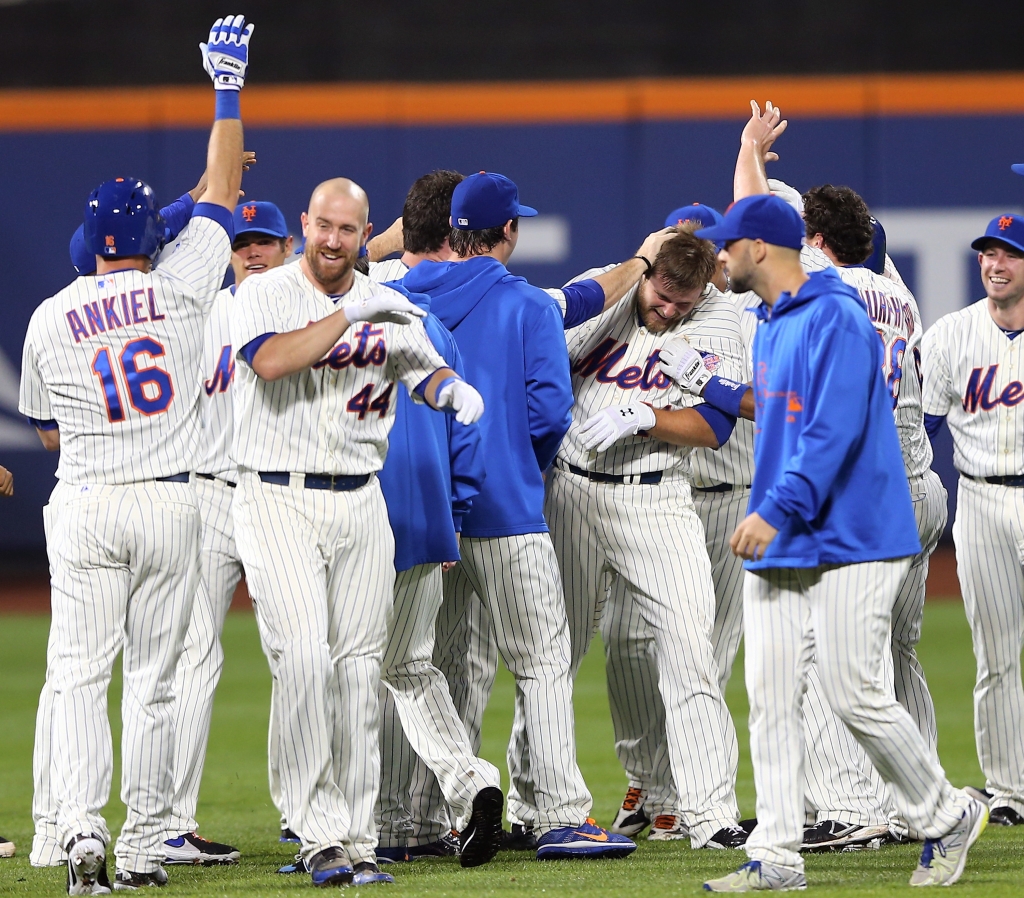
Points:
(248, 212)
(1007, 229)
(1005, 221)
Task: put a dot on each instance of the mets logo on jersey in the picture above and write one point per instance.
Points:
(980, 389)
(222, 374)
(248, 212)
(602, 361)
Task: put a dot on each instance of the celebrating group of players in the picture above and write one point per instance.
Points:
(551, 462)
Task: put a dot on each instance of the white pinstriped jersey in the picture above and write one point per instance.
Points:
(215, 399)
(388, 270)
(115, 359)
(894, 312)
(332, 418)
(974, 376)
(614, 361)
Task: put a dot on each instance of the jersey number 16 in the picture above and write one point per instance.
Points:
(150, 390)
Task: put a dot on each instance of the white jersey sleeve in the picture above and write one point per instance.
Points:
(973, 374)
(199, 256)
(412, 358)
(33, 401)
(388, 270)
(217, 376)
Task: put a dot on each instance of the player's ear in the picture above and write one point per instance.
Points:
(368, 231)
(289, 245)
(304, 218)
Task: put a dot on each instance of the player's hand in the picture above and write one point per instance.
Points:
(683, 364)
(390, 241)
(612, 424)
(752, 537)
(764, 129)
(463, 399)
(383, 306)
(652, 244)
(226, 55)
(6, 482)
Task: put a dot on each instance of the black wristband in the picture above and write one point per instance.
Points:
(646, 262)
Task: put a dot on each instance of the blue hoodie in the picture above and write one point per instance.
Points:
(828, 470)
(434, 466)
(512, 342)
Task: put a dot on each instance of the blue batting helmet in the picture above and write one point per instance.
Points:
(876, 261)
(83, 260)
(122, 219)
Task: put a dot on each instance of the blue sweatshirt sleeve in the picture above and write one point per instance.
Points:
(177, 215)
(841, 363)
(548, 383)
(466, 459)
(583, 300)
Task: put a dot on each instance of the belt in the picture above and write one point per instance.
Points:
(230, 483)
(173, 478)
(722, 488)
(1008, 480)
(334, 482)
(631, 479)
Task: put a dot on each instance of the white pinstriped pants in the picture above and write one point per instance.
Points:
(989, 537)
(320, 569)
(650, 542)
(839, 616)
(417, 714)
(124, 568)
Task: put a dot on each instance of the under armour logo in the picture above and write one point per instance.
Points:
(626, 412)
(248, 212)
(1005, 221)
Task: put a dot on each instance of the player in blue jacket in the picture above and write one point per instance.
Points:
(829, 536)
(512, 342)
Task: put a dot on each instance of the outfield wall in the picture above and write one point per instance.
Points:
(602, 161)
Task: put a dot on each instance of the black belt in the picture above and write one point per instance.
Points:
(631, 479)
(1008, 480)
(722, 488)
(334, 482)
(230, 483)
(173, 478)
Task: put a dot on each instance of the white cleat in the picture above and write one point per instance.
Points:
(942, 860)
(632, 819)
(667, 828)
(754, 876)
(87, 866)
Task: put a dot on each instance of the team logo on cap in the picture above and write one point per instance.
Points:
(248, 212)
(1005, 221)
(464, 222)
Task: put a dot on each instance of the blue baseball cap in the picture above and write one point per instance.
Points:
(697, 213)
(486, 200)
(762, 217)
(260, 218)
(1008, 228)
(1018, 168)
(876, 261)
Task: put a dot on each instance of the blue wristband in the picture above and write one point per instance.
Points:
(726, 395)
(227, 105)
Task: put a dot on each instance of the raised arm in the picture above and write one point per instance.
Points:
(763, 129)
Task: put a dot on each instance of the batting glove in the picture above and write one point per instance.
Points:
(681, 362)
(226, 56)
(383, 306)
(463, 399)
(610, 425)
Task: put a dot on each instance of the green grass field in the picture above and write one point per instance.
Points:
(235, 807)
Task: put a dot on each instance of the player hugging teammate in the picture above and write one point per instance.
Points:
(612, 418)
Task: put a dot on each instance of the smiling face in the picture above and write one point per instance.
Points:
(254, 253)
(660, 306)
(1002, 272)
(335, 227)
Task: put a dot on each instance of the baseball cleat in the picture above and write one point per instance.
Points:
(395, 855)
(289, 835)
(667, 828)
(754, 876)
(583, 841)
(299, 866)
(448, 845)
(87, 866)
(482, 836)
(365, 874)
(942, 860)
(128, 881)
(522, 838)
(728, 837)
(329, 867)
(190, 848)
(833, 835)
(631, 819)
(1001, 816)
(6, 847)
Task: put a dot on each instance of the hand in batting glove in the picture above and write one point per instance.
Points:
(680, 361)
(610, 425)
(383, 306)
(226, 56)
(463, 399)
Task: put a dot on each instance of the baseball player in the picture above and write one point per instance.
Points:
(821, 579)
(108, 376)
(621, 476)
(973, 378)
(318, 349)
(510, 337)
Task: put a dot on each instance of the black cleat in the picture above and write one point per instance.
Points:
(447, 846)
(1005, 816)
(483, 836)
(522, 838)
(289, 835)
(87, 866)
(127, 881)
(728, 837)
(833, 835)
